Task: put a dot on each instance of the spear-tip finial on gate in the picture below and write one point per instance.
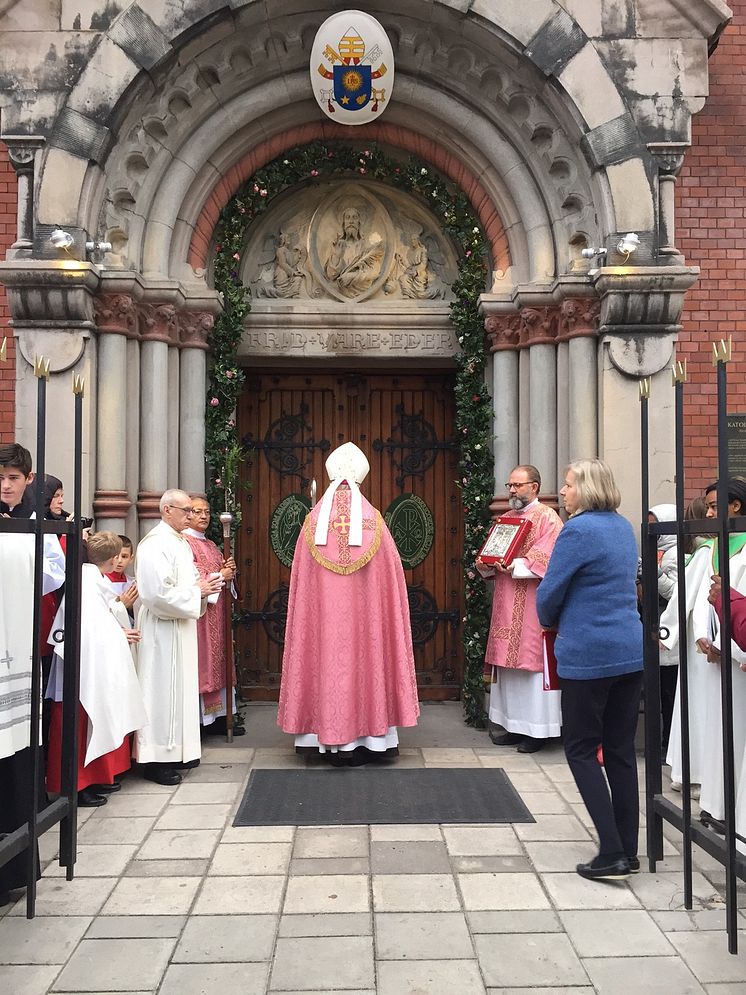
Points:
(645, 389)
(678, 372)
(721, 351)
(78, 384)
(42, 367)
(4, 351)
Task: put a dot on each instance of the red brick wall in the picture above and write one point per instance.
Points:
(711, 232)
(7, 236)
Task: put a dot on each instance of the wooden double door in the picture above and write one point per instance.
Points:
(289, 423)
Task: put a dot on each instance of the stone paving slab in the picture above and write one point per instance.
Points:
(204, 979)
(422, 936)
(251, 858)
(539, 959)
(113, 927)
(237, 895)
(152, 896)
(44, 940)
(327, 924)
(178, 844)
(97, 860)
(225, 939)
(330, 865)
(615, 933)
(415, 893)
(323, 962)
(327, 893)
(25, 979)
(642, 975)
(167, 868)
(194, 817)
(110, 965)
(409, 858)
(435, 977)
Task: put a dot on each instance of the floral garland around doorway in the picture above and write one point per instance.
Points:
(473, 407)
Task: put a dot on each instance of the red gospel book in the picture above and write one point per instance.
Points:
(504, 540)
(551, 680)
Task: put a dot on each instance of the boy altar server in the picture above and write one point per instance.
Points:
(348, 677)
(111, 705)
(16, 640)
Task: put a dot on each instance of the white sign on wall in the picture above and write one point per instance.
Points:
(352, 67)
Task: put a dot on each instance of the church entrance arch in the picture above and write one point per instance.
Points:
(404, 421)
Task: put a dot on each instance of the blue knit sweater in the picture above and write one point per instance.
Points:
(588, 594)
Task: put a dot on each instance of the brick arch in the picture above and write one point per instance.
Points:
(394, 135)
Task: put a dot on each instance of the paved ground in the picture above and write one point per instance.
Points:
(170, 899)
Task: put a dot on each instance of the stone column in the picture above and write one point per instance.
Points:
(502, 335)
(116, 321)
(194, 328)
(540, 326)
(132, 473)
(563, 412)
(579, 334)
(669, 158)
(157, 323)
(22, 151)
(173, 414)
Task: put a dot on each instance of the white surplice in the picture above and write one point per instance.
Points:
(16, 631)
(705, 622)
(109, 689)
(702, 677)
(170, 604)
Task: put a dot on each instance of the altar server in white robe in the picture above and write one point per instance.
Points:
(172, 598)
(700, 673)
(16, 639)
(707, 634)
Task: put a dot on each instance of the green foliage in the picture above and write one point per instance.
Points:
(320, 160)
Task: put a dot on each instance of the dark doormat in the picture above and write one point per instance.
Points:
(375, 796)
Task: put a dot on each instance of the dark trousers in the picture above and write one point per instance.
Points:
(605, 711)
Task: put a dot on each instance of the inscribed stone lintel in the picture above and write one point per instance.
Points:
(369, 342)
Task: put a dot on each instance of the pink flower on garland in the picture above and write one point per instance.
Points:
(214, 402)
(314, 172)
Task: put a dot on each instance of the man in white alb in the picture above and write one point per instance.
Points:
(172, 598)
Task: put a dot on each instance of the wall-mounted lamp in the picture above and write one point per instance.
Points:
(626, 245)
(61, 239)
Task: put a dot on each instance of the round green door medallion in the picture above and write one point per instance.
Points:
(285, 525)
(411, 524)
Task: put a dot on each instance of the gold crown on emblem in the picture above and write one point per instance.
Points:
(351, 45)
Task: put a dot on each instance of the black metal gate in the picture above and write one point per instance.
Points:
(660, 809)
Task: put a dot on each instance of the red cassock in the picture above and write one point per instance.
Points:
(348, 665)
(208, 559)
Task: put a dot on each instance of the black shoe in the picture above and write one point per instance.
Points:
(161, 775)
(106, 789)
(506, 739)
(634, 865)
(605, 869)
(530, 745)
(187, 765)
(220, 728)
(87, 798)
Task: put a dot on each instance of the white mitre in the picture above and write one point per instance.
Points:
(349, 463)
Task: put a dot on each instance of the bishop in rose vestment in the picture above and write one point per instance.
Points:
(348, 678)
(518, 701)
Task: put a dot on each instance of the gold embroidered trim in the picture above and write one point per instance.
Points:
(343, 568)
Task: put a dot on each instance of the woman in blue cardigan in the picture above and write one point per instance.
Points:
(588, 595)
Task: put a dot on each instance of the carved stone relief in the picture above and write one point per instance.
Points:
(349, 242)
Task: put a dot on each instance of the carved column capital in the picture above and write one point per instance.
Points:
(158, 323)
(539, 325)
(116, 314)
(22, 150)
(502, 331)
(668, 156)
(579, 316)
(195, 328)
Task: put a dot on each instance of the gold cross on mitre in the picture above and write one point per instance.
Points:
(342, 525)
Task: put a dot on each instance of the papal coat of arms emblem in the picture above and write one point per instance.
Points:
(352, 67)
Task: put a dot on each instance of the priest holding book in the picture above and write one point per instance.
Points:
(514, 658)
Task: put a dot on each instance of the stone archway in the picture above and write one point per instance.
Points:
(548, 105)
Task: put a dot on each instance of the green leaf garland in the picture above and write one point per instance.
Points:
(307, 164)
